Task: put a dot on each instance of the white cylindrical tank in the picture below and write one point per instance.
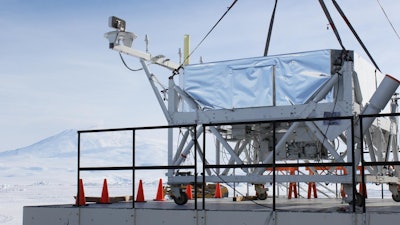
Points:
(379, 99)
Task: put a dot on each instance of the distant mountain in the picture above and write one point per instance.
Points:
(63, 142)
(55, 158)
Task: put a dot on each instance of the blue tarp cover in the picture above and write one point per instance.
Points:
(250, 82)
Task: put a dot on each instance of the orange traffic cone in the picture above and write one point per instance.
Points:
(218, 193)
(104, 194)
(80, 198)
(140, 193)
(160, 192)
(189, 192)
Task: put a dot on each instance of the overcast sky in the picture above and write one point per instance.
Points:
(57, 73)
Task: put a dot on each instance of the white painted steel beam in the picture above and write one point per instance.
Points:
(147, 57)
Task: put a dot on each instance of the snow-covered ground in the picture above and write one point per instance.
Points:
(45, 173)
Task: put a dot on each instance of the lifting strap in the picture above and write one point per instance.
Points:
(354, 32)
(331, 23)
(271, 24)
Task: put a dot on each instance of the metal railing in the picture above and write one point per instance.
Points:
(363, 163)
(274, 165)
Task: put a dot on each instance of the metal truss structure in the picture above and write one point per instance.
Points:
(308, 136)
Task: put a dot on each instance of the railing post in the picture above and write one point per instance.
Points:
(78, 169)
(362, 161)
(195, 165)
(133, 167)
(273, 167)
(353, 166)
(204, 169)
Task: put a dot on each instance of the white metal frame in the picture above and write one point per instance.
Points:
(239, 141)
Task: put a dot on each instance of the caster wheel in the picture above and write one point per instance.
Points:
(396, 198)
(359, 200)
(262, 196)
(182, 199)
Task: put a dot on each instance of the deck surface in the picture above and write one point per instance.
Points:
(217, 212)
(227, 204)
